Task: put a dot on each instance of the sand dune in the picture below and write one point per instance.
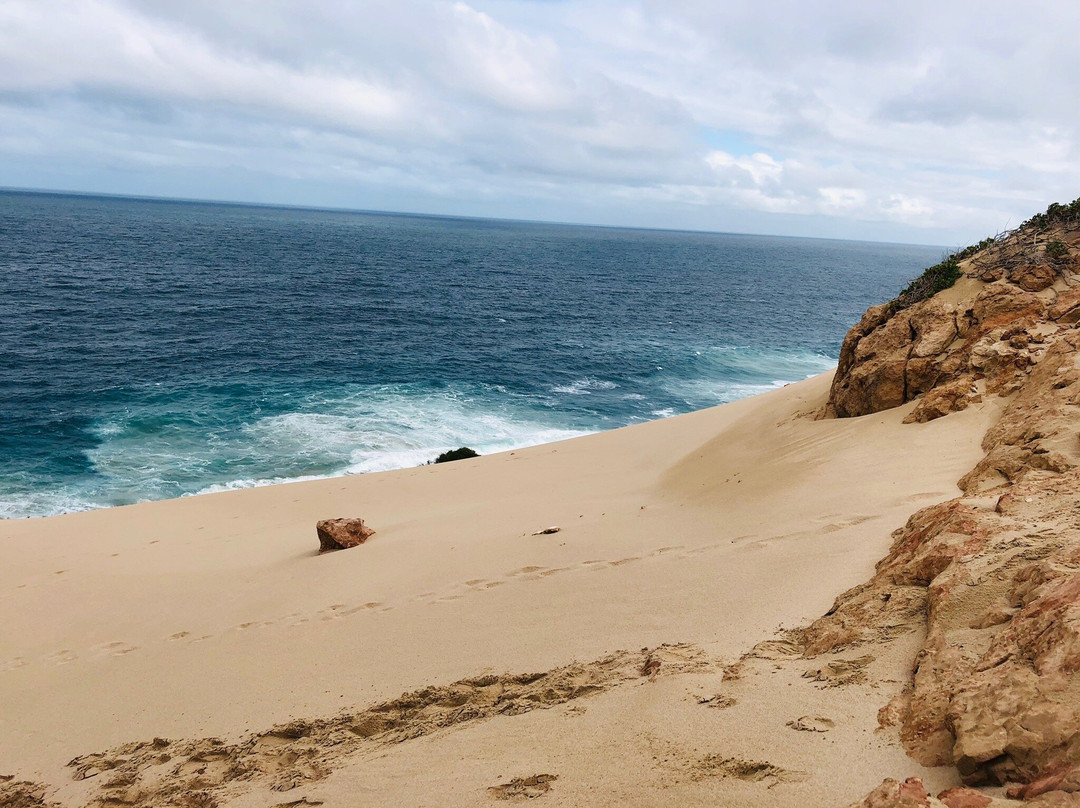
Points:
(211, 624)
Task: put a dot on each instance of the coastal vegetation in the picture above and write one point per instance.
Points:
(946, 273)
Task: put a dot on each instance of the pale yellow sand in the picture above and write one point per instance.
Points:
(214, 616)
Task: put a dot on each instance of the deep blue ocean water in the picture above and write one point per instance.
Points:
(153, 349)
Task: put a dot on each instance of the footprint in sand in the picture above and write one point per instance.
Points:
(180, 635)
(61, 657)
(524, 788)
(719, 702)
(525, 571)
(705, 548)
(554, 571)
(751, 771)
(446, 599)
(832, 527)
(924, 495)
(254, 624)
(14, 664)
(332, 612)
(114, 649)
(811, 723)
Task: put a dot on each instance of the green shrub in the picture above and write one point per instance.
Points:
(1055, 214)
(1056, 250)
(944, 274)
(456, 454)
(935, 279)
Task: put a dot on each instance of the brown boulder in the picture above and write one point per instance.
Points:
(939, 401)
(872, 386)
(891, 794)
(872, 318)
(870, 374)
(341, 534)
(1066, 308)
(1000, 304)
(934, 326)
(987, 586)
(1033, 277)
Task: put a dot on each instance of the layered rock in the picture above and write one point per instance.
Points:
(950, 349)
(990, 579)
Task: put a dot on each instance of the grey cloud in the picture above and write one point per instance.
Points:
(933, 125)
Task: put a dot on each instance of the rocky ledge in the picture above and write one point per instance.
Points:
(990, 579)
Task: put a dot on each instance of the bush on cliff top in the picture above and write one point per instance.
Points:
(1057, 213)
(944, 274)
(935, 279)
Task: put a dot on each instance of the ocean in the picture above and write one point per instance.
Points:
(153, 348)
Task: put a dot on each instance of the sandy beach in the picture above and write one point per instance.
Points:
(609, 404)
(683, 544)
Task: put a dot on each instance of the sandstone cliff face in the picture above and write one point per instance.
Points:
(980, 338)
(992, 578)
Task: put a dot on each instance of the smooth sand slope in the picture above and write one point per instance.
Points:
(214, 617)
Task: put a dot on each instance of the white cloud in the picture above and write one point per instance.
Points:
(843, 199)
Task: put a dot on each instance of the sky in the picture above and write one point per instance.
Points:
(928, 122)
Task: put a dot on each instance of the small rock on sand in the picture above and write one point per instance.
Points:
(341, 534)
(547, 531)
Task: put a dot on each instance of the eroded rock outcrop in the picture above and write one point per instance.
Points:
(991, 579)
(981, 337)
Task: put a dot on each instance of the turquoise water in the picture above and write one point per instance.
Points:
(155, 349)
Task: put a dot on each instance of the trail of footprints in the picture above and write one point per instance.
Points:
(339, 611)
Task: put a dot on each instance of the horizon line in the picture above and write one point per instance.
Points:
(421, 214)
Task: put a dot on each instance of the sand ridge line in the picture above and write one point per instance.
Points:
(198, 772)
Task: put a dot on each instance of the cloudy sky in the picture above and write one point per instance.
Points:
(935, 122)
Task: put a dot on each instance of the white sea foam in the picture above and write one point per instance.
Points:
(582, 387)
(146, 456)
(44, 503)
(728, 374)
(364, 430)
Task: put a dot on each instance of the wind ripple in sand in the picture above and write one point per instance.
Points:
(197, 772)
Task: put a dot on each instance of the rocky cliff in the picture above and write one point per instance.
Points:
(991, 579)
